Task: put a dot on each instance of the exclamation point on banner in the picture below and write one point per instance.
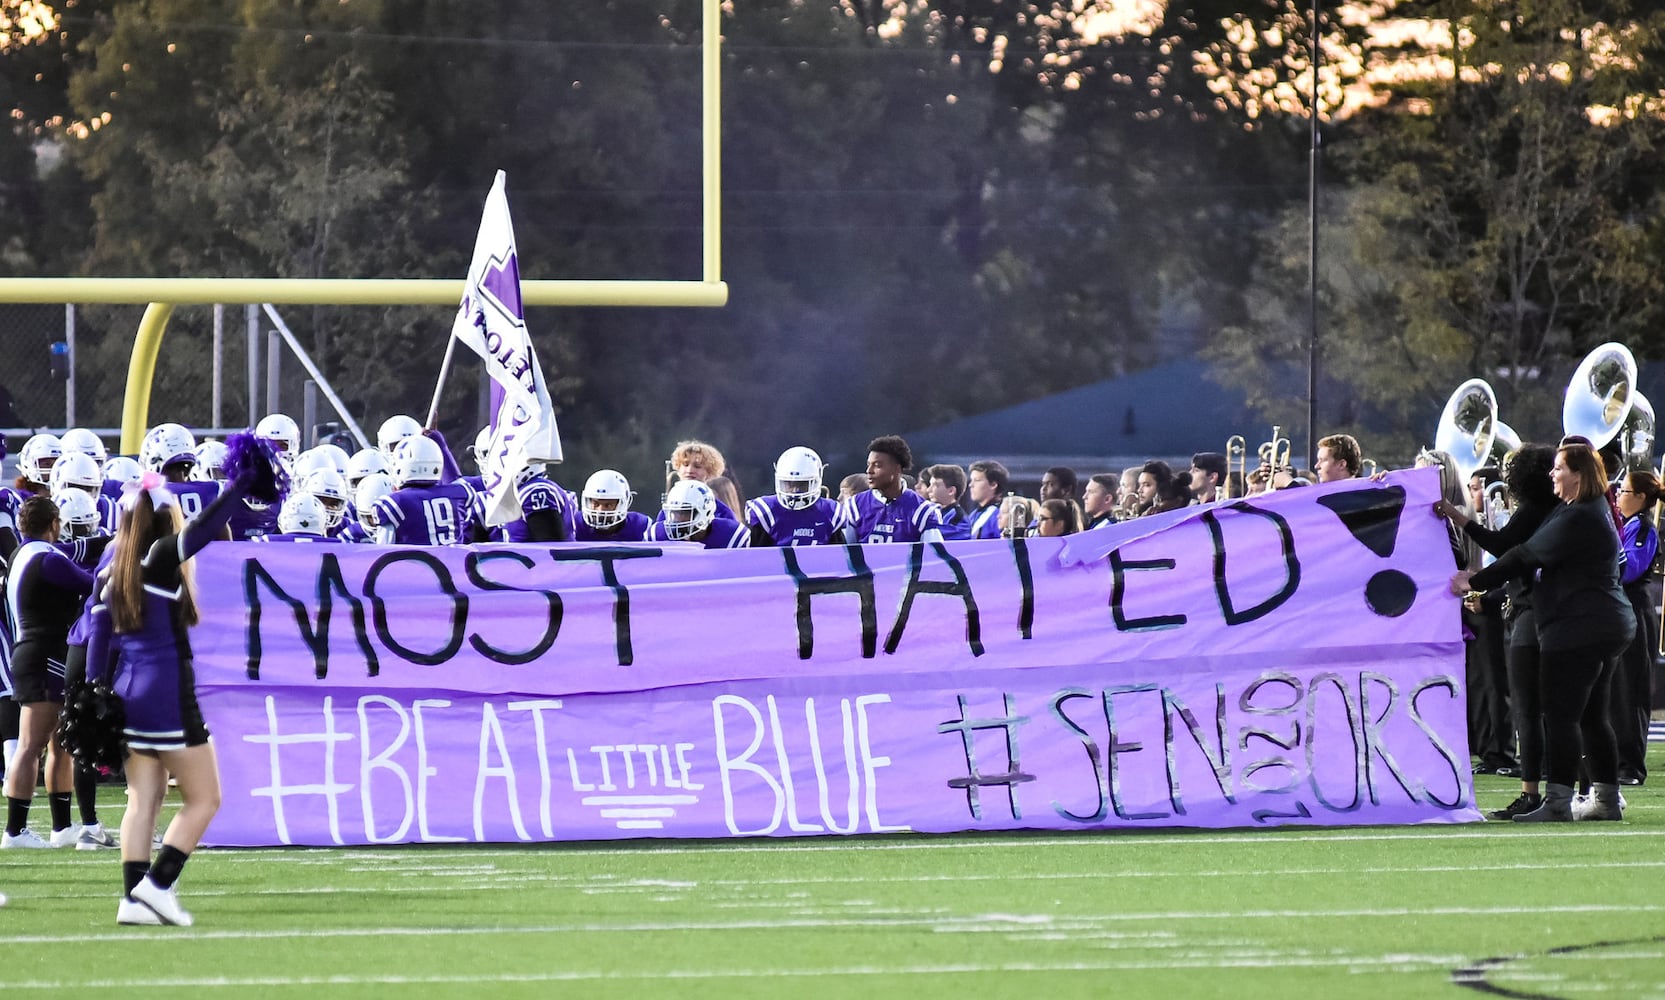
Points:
(1372, 516)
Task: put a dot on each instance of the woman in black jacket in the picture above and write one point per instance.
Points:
(1583, 621)
(1526, 474)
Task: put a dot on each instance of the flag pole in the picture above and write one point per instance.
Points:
(439, 386)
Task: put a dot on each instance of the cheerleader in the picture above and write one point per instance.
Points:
(138, 644)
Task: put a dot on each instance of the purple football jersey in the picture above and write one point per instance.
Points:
(193, 497)
(723, 534)
(634, 528)
(438, 514)
(904, 519)
(813, 525)
(535, 494)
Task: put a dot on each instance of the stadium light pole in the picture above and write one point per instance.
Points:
(1312, 252)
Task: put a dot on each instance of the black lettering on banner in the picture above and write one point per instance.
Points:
(1117, 748)
(1095, 757)
(1292, 566)
(1353, 729)
(1119, 568)
(1372, 517)
(621, 594)
(960, 587)
(975, 779)
(1026, 582)
(1218, 752)
(1281, 765)
(472, 563)
(1458, 768)
(1374, 745)
(330, 583)
(859, 582)
(442, 575)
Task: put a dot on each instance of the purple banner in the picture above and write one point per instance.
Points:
(1294, 658)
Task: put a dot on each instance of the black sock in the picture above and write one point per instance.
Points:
(86, 793)
(164, 871)
(132, 873)
(17, 815)
(58, 804)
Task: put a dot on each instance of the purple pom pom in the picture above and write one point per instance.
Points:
(251, 463)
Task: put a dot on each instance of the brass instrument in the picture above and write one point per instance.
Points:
(1275, 453)
(1637, 434)
(1368, 467)
(1468, 427)
(670, 480)
(1494, 506)
(1600, 395)
(1237, 458)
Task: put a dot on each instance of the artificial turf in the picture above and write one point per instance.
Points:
(1559, 910)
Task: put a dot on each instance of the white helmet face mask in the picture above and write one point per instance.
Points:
(373, 487)
(76, 469)
(612, 489)
(86, 442)
(419, 461)
(393, 430)
(330, 490)
(279, 429)
(690, 507)
(798, 478)
(301, 514)
(210, 465)
(77, 514)
(38, 456)
(363, 463)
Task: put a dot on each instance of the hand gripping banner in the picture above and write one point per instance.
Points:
(1292, 658)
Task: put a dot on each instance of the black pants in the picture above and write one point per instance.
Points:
(1525, 701)
(1631, 691)
(1491, 735)
(1573, 687)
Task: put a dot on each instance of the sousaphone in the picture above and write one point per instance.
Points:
(1601, 395)
(1468, 426)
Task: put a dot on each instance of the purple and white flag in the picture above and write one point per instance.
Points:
(491, 321)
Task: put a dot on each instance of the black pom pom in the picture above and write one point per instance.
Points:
(91, 726)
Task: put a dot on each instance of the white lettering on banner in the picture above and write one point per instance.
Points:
(424, 772)
(545, 779)
(383, 761)
(277, 791)
(491, 736)
(780, 785)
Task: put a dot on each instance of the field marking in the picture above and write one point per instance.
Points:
(935, 925)
(611, 884)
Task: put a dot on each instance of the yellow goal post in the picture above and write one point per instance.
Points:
(161, 295)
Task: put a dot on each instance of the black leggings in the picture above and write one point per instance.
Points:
(1525, 706)
(1573, 687)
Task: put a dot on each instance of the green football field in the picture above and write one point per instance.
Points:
(1560, 911)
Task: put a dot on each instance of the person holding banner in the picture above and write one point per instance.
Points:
(1584, 621)
(137, 643)
(1526, 474)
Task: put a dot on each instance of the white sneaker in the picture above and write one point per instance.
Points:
(2, 899)
(95, 838)
(162, 902)
(67, 836)
(28, 838)
(135, 913)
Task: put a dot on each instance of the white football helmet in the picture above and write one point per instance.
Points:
(122, 469)
(690, 507)
(393, 430)
(363, 463)
(370, 489)
(86, 442)
(77, 514)
(39, 454)
(482, 442)
(76, 470)
(301, 514)
(330, 489)
(308, 462)
(336, 454)
(606, 487)
(285, 436)
(210, 467)
(798, 478)
(419, 461)
(167, 444)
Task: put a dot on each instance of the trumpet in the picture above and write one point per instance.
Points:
(1237, 460)
(1275, 453)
